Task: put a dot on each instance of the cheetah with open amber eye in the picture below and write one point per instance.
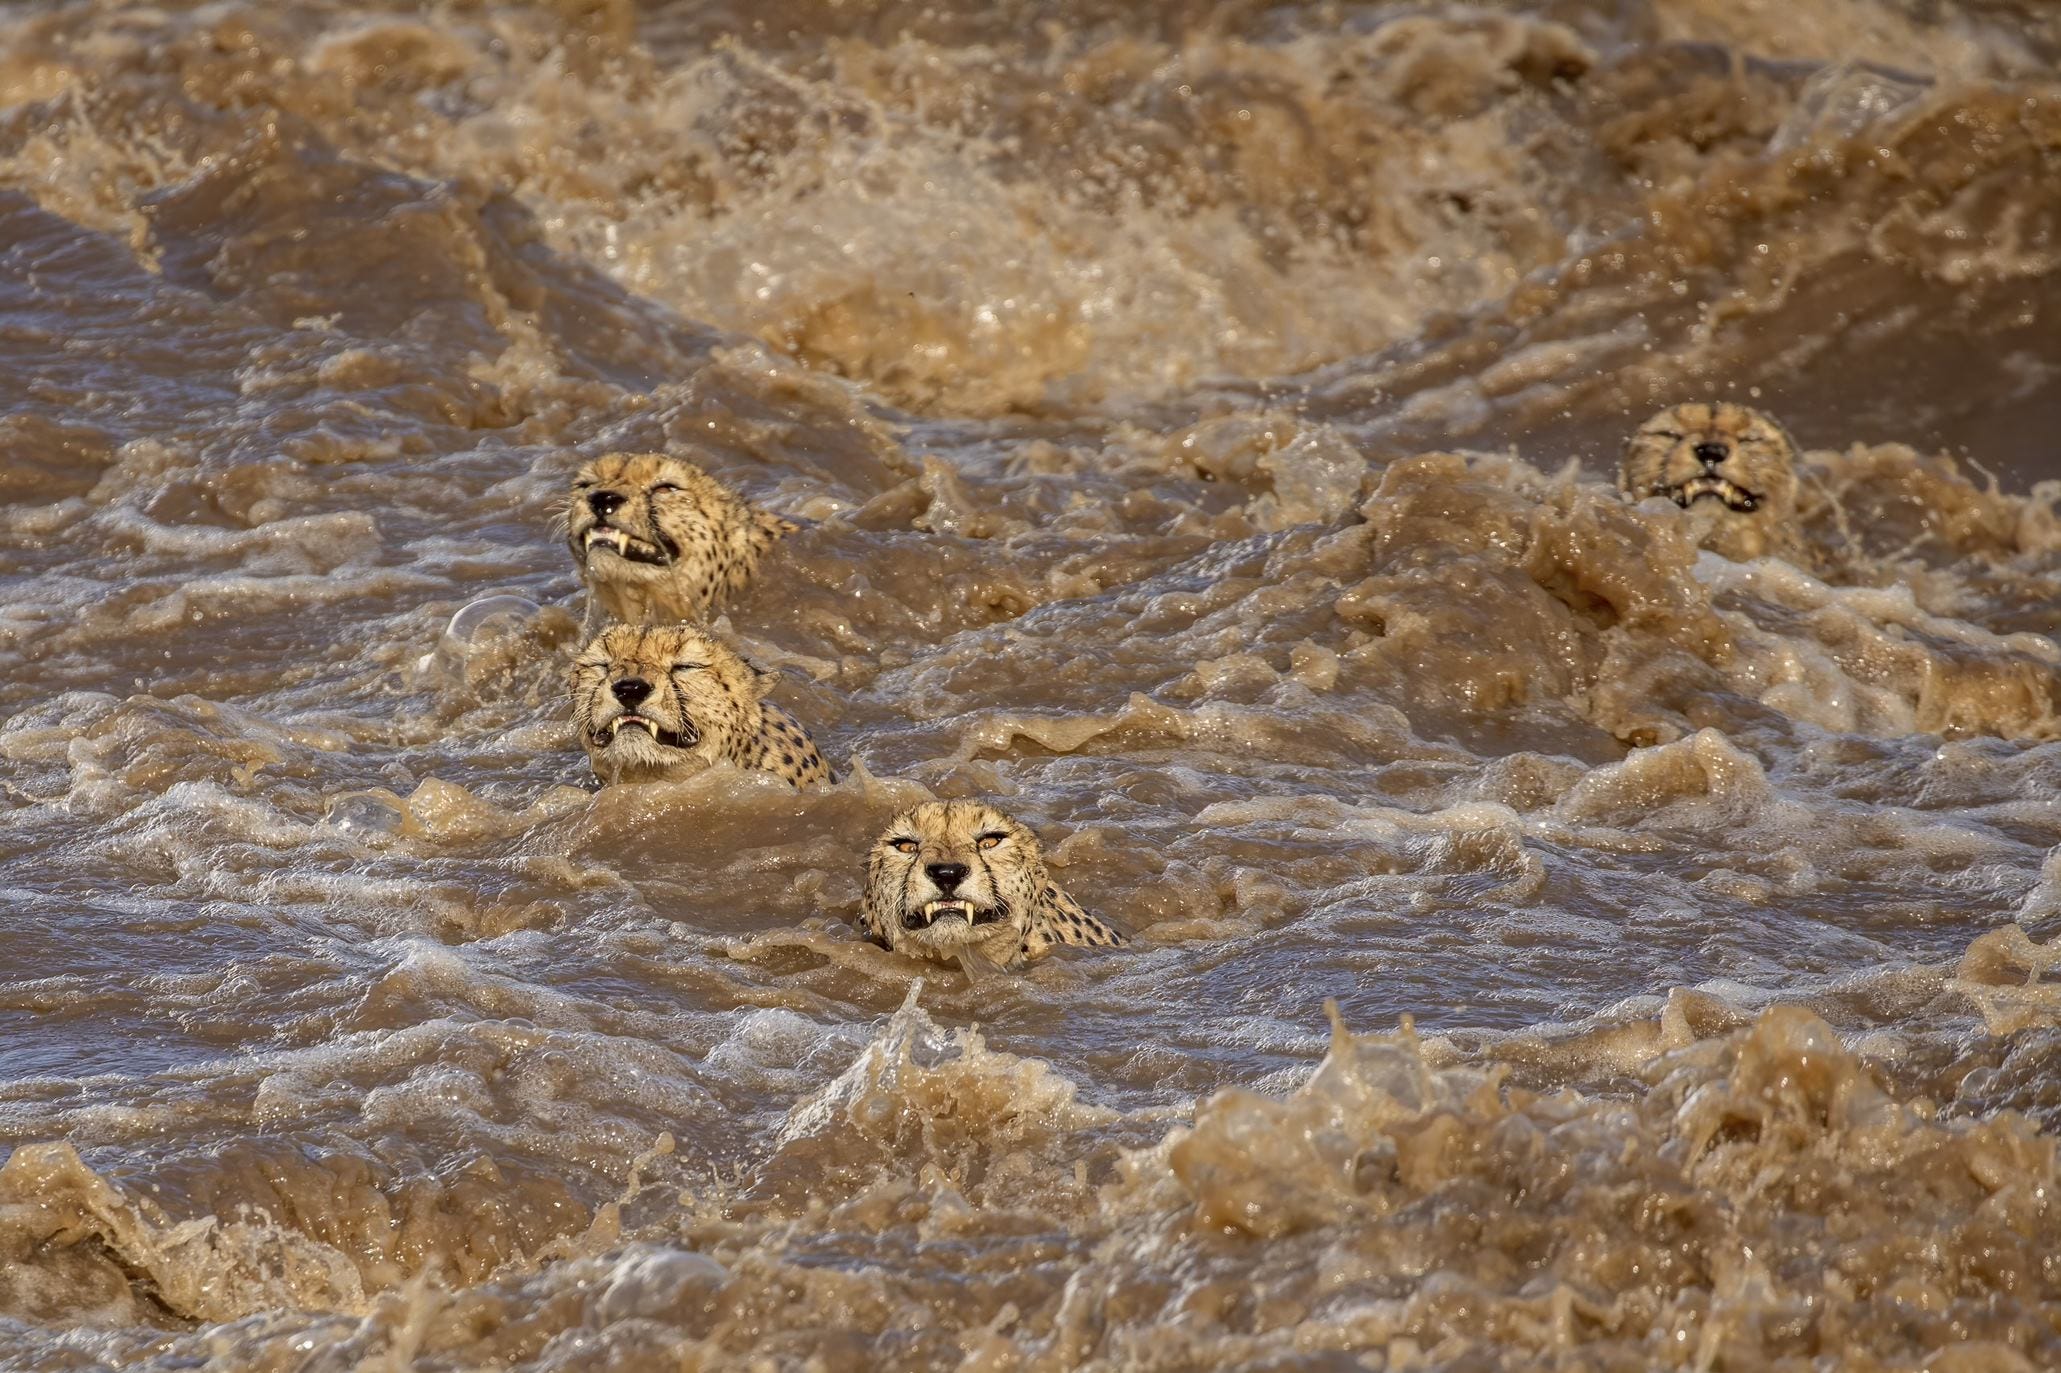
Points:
(658, 540)
(1732, 468)
(959, 880)
(665, 702)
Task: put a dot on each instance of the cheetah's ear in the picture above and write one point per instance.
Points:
(760, 679)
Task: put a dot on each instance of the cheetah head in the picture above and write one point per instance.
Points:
(949, 876)
(1733, 467)
(628, 509)
(664, 701)
(657, 537)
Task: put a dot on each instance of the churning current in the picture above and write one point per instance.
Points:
(1553, 944)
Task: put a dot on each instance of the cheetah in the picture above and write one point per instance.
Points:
(658, 540)
(1733, 469)
(664, 702)
(960, 880)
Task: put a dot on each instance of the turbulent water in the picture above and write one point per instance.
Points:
(1554, 946)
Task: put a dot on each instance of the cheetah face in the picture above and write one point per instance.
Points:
(658, 540)
(662, 702)
(622, 507)
(1727, 456)
(951, 874)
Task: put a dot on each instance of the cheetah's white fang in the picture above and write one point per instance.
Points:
(1732, 494)
(623, 545)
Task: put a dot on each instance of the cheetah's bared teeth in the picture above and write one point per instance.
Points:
(683, 738)
(963, 909)
(1731, 493)
(623, 545)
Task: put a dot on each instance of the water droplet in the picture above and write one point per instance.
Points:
(365, 813)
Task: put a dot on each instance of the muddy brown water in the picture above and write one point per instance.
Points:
(1553, 948)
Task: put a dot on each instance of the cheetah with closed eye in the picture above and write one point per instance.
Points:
(666, 702)
(658, 540)
(959, 880)
(1731, 467)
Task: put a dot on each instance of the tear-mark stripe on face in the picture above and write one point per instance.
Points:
(674, 700)
(669, 550)
(994, 887)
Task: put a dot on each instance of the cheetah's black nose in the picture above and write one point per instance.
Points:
(947, 875)
(1710, 452)
(604, 504)
(630, 691)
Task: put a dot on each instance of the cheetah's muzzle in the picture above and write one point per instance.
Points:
(684, 738)
(629, 547)
(1735, 496)
(933, 911)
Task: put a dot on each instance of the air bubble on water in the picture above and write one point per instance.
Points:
(475, 616)
(1840, 101)
(476, 621)
(366, 814)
